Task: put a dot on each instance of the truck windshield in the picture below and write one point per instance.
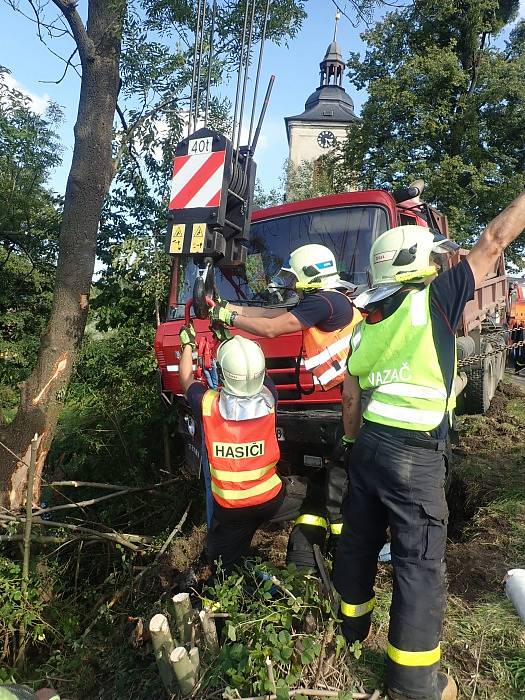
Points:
(347, 231)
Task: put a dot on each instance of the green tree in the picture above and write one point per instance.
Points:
(313, 179)
(446, 103)
(29, 221)
(151, 77)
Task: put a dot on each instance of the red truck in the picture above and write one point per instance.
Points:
(308, 417)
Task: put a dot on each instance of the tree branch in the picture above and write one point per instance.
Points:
(68, 64)
(123, 539)
(85, 46)
(92, 501)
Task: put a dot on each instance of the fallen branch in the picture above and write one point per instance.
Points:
(280, 585)
(312, 692)
(92, 501)
(102, 606)
(122, 538)
(92, 484)
(172, 534)
(48, 539)
(478, 659)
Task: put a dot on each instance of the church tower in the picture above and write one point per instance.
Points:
(327, 111)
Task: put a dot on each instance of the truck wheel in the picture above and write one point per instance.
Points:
(501, 358)
(482, 381)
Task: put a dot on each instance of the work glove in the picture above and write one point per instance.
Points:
(187, 336)
(220, 331)
(221, 313)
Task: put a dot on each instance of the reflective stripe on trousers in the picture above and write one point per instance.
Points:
(414, 658)
(351, 610)
(315, 520)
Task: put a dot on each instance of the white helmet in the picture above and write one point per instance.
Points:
(402, 255)
(242, 366)
(314, 267)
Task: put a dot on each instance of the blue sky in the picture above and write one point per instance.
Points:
(296, 68)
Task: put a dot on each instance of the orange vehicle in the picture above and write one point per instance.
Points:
(517, 305)
(517, 323)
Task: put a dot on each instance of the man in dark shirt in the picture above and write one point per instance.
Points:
(325, 316)
(404, 354)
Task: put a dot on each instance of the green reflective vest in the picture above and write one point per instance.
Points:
(397, 359)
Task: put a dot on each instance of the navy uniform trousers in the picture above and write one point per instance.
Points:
(396, 480)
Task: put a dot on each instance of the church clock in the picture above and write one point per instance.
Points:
(326, 139)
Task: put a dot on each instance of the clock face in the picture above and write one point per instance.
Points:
(326, 139)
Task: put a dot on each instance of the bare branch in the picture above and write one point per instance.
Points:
(172, 534)
(361, 16)
(92, 501)
(86, 48)
(121, 538)
(37, 18)
(129, 130)
(92, 484)
(68, 64)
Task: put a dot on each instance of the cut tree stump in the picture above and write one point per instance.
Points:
(183, 616)
(183, 669)
(209, 631)
(163, 647)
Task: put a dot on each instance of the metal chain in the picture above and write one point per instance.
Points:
(474, 359)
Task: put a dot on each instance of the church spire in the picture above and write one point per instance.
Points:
(337, 18)
(332, 65)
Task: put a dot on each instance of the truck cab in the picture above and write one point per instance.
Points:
(309, 418)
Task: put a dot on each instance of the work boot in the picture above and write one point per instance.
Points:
(447, 690)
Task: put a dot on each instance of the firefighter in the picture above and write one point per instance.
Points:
(326, 316)
(405, 353)
(238, 423)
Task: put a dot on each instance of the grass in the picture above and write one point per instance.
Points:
(483, 639)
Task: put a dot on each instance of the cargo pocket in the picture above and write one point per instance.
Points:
(435, 535)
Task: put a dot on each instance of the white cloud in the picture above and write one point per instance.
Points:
(38, 102)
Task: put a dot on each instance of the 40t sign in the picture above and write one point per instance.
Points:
(199, 146)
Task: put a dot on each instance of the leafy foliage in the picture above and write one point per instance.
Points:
(283, 623)
(313, 179)
(29, 221)
(445, 104)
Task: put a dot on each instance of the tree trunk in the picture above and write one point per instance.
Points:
(41, 395)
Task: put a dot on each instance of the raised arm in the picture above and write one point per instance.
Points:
(351, 400)
(501, 231)
(268, 327)
(256, 311)
(188, 344)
